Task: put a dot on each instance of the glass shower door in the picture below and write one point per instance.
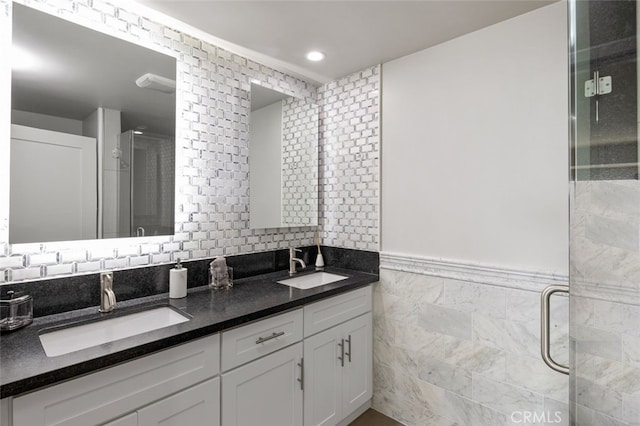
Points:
(152, 184)
(605, 215)
(141, 198)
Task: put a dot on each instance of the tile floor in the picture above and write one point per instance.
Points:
(373, 418)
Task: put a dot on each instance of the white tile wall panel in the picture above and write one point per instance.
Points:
(350, 160)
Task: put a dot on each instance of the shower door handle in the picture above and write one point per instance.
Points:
(544, 327)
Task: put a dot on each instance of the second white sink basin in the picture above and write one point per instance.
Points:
(75, 338)
(305, 282)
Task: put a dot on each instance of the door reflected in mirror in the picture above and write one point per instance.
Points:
(283, 160)
(92, 134)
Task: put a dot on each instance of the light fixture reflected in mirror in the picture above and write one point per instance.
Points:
(156, 82)
(106, 146)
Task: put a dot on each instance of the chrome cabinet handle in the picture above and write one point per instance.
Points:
(301, 379)
(273, 336)
(349, 353)
(545, 344)
(341, 358)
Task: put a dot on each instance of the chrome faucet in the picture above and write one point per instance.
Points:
(293, 259)
(107, 296)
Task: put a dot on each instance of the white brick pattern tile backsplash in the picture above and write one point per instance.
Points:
(299, 155)
(212, 187)
(350, 161)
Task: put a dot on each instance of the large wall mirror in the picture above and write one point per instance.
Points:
(92, 134)
(283, 160)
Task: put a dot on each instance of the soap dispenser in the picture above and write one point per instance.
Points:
(178, 282)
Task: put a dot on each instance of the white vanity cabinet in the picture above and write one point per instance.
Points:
(338, 366)
(128, 420)
(265, 392)
(248, 342)
(357, 373)
(178, 384)
(267, 389)
(198, 405)
(308, 366)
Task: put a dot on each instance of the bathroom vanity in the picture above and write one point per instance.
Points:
(260, 353)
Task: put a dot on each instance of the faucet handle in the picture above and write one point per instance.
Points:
(107, 296)
(292, 250)
(106, 279)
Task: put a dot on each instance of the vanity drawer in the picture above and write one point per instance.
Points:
(335, 310)
(100, 397)
(254, 340)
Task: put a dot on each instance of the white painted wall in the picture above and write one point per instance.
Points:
(474, 152)
(265, 171)
(47, 122)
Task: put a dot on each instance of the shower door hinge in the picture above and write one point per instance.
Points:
(597, 86)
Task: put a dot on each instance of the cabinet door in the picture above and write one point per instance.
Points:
(99, 397)
(55, 169)
(198, 405)
(130, 420)
(323, 378)
(357, 375)
(265, 392)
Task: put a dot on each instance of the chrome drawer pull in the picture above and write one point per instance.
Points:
(301, 379)
(349, 353)
(273, 336)
(341, 358)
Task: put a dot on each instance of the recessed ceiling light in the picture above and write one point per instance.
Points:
(315, 56)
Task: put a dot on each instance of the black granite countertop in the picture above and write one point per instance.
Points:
(25, 366)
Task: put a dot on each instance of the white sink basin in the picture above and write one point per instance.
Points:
(305, 282)
(96, 333)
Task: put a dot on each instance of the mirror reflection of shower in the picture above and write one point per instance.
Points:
(139, 199)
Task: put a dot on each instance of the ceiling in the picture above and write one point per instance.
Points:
(353, 34)
(79, 69)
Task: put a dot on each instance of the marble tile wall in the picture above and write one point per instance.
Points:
(605, 302)
(450, 351)
(605, 240)
(350, 161)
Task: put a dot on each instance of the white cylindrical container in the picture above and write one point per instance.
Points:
(178, 282)
(319, 261)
